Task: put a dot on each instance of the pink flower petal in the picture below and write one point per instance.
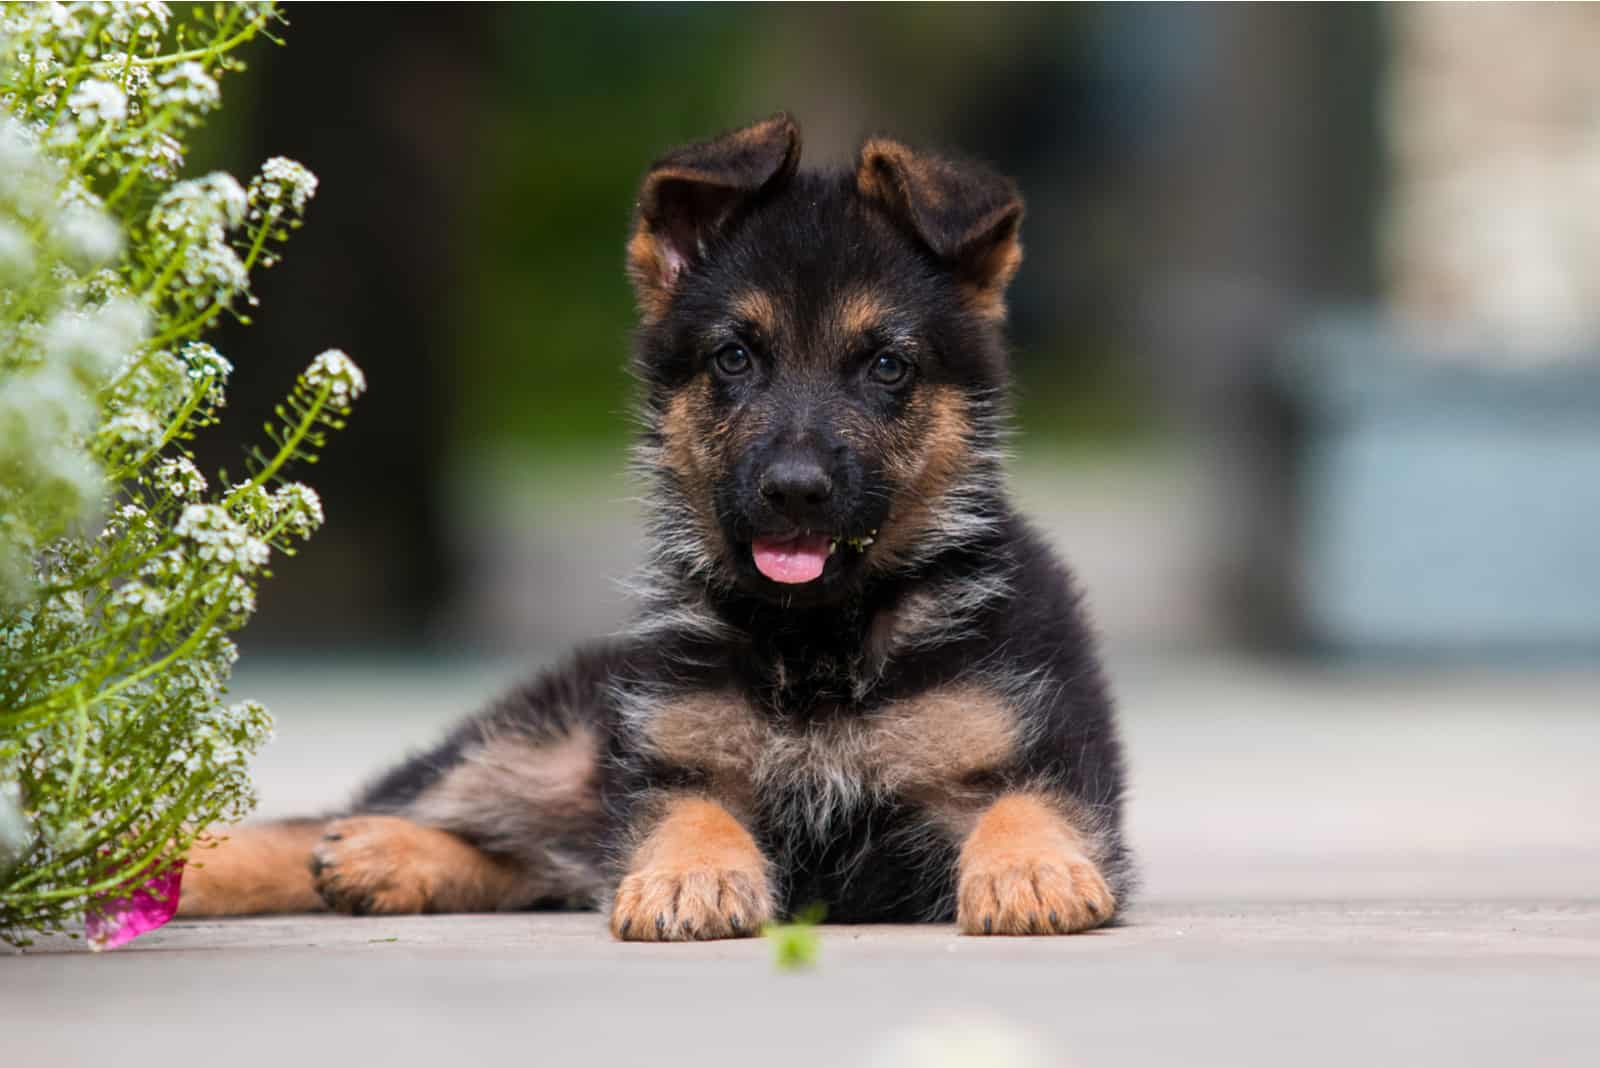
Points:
(126, 913)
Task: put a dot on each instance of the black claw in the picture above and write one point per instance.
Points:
(1055, 919)
(737, 923)
(1094, 910)
(627, 925)
(316, 866)
(661, 925)
(988, 925)
(362, 907)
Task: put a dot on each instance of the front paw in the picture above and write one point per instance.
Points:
(697, 874)
(680, 906)
(1033, 895)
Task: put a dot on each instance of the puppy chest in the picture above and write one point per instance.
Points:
(928, 745)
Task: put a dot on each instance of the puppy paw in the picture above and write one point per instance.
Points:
(698, 875)
(1058, 894)
(374, 864)
(668, 906)
(1024, 870)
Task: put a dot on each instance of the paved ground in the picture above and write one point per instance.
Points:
(1373, 868)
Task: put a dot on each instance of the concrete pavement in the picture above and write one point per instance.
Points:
(1373, 868)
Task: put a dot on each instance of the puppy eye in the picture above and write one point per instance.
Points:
(732, 360)
(888, 369)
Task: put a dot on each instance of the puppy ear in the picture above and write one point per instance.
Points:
(966, 214)
(693, 191)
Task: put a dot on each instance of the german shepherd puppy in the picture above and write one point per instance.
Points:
(857, 677)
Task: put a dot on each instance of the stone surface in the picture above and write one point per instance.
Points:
(1341, 868)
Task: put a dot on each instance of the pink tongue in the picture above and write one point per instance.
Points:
(792, 560)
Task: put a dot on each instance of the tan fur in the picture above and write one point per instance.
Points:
(925, 747)
(649, 268)
(1025, 869)
(858, 313)
(689, 438)
(552, 779)
(724, 164)
(758, 309)
(987, 292)
(697, 875)
(252, 869)
(896, 176)
(719, 734)
(924, 467)
(524, 797)
(385, 864)
(883, 167)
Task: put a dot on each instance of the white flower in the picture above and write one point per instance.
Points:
(340, 373)
(140, 18)
(88, 235)
(133, 427)
(165, 155)
(16, 252)
(179, 477)
(281, 181)
(95, 341)
(198, 204)
(137, 598)
(219, 537)
(95, 102)
(188, 84)
(300, 506)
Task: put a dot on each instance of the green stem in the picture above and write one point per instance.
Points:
(40, 707)
(228, 44)
(79, 747)
(286, 452)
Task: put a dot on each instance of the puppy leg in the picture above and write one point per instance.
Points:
(1025, 869)
(253, 869)
(386, 864)
(698, 875)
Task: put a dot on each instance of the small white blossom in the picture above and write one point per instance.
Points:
(188, 84)
(340, 373)
(16, 252)
(136, 19)
(196, 205)
(281, 181)
(95, 341)
(96, 102)
(179, 477)
(89, 236)
(135, 427)
(191, 222)
(137, 598)
(252, 505)
(300, 506)
(217, 536)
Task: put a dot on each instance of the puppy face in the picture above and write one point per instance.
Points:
(822, 358)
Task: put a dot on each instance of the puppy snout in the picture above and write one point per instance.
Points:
(796, 487)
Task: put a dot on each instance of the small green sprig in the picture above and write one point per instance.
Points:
(796, 945)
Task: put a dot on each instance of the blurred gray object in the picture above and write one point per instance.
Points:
(13, 828)
(1446, 503)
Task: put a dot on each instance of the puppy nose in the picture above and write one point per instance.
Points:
(796, 486)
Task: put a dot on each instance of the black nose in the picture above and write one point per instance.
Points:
(796, 487)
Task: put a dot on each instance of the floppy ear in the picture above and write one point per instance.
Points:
(966, 214)
(691, 192)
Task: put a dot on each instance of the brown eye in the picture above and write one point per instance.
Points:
(732, 360)
(889, 369)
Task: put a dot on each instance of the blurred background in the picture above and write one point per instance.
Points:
(1305, 337)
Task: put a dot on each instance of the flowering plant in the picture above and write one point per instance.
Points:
(122, 570)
